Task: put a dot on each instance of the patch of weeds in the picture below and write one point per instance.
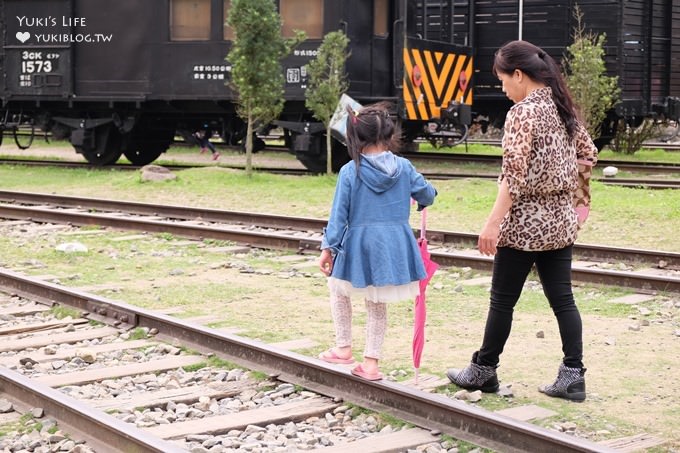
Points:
(386, 419)
(195, 367)
(259, 376)
(216, 362)
(139, 334)
(358, 410)
(268, 387)
(218, 243)
(271, 337)
(61, 312)
(25, 424)
(165, 236)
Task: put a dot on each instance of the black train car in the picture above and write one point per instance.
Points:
(642, 47)
(121, 77)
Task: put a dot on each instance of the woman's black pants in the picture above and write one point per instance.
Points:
(510, 270)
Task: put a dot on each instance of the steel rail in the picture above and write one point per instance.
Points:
(652, 167)
(304, 244)
(172, 211)
(584, 251)
(584, 274)
(432, 411)
(433, 175)
(665, 145)
(641, 183)
(101, 431)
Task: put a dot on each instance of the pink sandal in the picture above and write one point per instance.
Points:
(359, 371)
(331, 357)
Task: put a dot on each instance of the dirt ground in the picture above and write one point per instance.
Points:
(632, 359)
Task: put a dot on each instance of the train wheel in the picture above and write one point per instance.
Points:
(107, 149)
(316, 161)
(143, 156)
(258, 144)
(148, 140)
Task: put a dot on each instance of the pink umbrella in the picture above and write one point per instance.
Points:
(420, 313)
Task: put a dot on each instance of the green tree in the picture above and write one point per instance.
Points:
(327, 82)
(594, 92)
(255, 57)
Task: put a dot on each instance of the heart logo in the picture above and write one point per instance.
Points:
(23, 36)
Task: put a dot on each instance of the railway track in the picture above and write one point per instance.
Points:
(118, 393)
(644, 270)
(662, 143)
(647, 183)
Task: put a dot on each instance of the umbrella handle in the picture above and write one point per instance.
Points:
(423, 223)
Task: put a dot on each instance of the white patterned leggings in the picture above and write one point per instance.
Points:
(376, 324)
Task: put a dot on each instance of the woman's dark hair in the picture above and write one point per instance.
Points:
(371, 125)
(540, 67)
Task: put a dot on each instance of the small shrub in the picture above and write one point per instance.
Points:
(629, 138)
(594, 92)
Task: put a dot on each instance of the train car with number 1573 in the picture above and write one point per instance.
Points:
(121, 78)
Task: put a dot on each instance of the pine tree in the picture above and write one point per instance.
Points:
(327, 82)
(255, 58)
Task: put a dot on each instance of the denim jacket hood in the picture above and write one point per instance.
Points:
(379, 171)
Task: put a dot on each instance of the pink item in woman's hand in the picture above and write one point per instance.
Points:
(582, 214)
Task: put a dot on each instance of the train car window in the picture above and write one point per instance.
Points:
(305, 15)
(189, 20)
(380, 17)
(228, 31)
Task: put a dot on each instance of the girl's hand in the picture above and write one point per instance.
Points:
(326, 262)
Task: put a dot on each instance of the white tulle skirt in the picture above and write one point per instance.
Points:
(392, 293)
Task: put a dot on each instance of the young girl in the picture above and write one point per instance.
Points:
(369, 248)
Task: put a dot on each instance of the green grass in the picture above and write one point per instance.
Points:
(643, 155)
(61, 312)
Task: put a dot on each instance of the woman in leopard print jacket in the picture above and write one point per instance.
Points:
(547, 155)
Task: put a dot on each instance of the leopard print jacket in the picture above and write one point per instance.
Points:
(540, 165)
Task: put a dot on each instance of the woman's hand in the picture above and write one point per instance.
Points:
(488, 238)
(326, 262)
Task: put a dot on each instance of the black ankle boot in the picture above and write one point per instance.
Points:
(570, 384)
(475, 377)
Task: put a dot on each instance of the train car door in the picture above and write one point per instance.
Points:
(112, 47)
(37, 56)
(381, 48)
